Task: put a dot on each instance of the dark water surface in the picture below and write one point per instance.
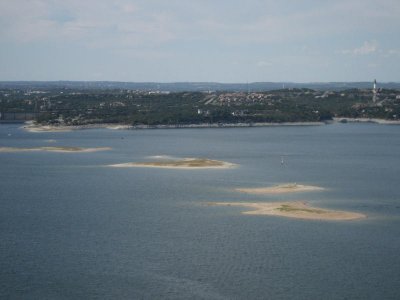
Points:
(71, 228)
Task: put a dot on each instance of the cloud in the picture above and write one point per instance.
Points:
(373, 65)
(127, 23)
(208, 34)
(263, 63)
(368, 47)
(128, 8)
(393, 52)
(92, 22)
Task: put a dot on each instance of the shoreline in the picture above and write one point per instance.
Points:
(67, 128)
(297, 210)
(30, 127)
(35, 128)
(366, 120)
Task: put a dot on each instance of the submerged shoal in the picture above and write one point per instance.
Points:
(53, 149)
(281, 189)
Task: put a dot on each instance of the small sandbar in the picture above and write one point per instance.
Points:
(298, 210)
(54, 149)
(186, 163)
(281, 189)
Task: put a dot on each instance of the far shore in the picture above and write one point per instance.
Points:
(31, 127)
(54, 149)
(298, 210)
(37, 128)
(366, 120)
(281, 189)
(186, 163)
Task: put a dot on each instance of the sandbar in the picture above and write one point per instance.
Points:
(54, 149)
(299, 210)
(186, 163)
(281, 189)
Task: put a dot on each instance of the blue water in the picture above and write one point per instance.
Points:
(71, 228)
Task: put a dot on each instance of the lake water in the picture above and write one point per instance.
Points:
(71, 228)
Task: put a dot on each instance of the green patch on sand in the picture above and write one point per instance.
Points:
(289, 208)
(197, 162)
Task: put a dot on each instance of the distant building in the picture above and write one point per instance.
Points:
(374, 93)
(203, 112)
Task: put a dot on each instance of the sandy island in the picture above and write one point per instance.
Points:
(281, 189)
(299, 210)
(186, 163)
(54, 149)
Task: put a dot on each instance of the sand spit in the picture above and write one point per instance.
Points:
(281, 189)
(186, 163)
(54, 149)
(299, 210)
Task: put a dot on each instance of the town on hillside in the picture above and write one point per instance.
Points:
(77, 105)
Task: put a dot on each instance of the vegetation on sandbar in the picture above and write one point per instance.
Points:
(288, 208)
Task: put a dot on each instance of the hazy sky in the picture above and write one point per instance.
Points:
(200, 40)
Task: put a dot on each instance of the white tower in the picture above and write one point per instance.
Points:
(374, 92)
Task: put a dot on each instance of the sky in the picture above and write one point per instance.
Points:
(200, 40)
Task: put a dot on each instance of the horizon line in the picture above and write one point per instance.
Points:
(203, 82)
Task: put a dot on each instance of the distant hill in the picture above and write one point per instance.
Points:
(193, 86)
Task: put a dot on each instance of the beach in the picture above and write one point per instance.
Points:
(37, 128)
(46, 128)
(298, 210)
(32, 127)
